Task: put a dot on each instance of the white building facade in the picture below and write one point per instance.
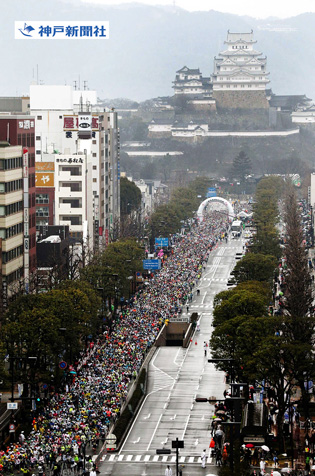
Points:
(59, 112)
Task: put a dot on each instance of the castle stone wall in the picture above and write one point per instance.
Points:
(241, 99)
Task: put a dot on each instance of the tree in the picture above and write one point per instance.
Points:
(242, 166)
(239, 303)
(130, 196)
(261, 353)
(110, 269)
(200, 185)
(185, 201)
(265, 208)
(298, 300)
(253, 266)
(164, 221)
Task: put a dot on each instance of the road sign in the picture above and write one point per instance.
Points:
(44, 386)
(63, 365)
(151, 264)
(178, 443)
(161, 242)
(11, 428)
(12, 405)
(212, 192)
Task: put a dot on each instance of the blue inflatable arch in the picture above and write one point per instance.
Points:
(204, 204)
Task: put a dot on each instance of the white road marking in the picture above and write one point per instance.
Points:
(137, 441)
(173, 418)
(146, 417)
(154, 432)
(187, 421)
(196, 442)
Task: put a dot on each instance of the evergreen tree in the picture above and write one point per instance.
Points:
(242, 166)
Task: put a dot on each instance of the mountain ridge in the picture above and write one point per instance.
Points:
(147, 45)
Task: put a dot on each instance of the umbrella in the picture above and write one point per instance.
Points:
(220, 412)
(249, 445)
(289, 470)
(265, 448)
(217, 419)
(276, 473)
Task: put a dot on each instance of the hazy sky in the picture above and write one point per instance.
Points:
(254, 8)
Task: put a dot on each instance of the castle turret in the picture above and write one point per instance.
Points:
(240, 78)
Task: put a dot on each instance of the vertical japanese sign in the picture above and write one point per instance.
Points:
(26, 219)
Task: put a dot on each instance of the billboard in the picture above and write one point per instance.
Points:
(45, 166)
(45, 179)
(71, 123)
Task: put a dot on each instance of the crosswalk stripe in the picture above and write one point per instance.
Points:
(153, 458)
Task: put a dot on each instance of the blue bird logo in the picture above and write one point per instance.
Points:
(27, 29)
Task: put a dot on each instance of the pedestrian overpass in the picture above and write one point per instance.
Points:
(203, 206)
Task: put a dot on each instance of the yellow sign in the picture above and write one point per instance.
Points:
(44, 179)
(44, 166)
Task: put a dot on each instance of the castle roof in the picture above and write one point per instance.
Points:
(289, 101)
(184, 69)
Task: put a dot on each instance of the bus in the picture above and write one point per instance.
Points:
(236, 228)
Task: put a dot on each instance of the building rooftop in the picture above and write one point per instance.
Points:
(289, 101)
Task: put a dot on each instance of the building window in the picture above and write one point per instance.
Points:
(38, 152)
(74, 220)
(94, 154)
(94, 180)
(74, 170)
(73, 202)
(12, 254)
(94, 141)
(94, 167)
(42, 198)
(74, 186)
(39, 118)
(60, 117)
(42, 212)
(37, 137)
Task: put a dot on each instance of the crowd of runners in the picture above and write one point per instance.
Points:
(81, 415)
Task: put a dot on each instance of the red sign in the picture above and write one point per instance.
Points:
(72, 123)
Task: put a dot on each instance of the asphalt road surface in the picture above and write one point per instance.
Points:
(176, 376)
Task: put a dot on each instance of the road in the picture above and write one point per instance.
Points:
(176, 376)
